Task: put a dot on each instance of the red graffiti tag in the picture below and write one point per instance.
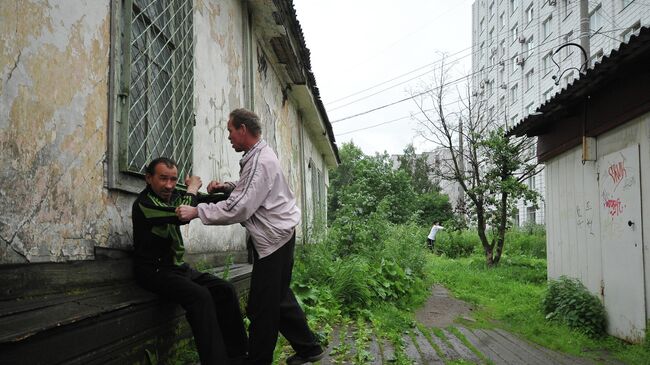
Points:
(615, 207)
(617, 172)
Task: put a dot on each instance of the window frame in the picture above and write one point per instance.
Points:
(117, 174)
(514, 33)
(547, 27)
(596, 14)
(514, 91)
(528, 79)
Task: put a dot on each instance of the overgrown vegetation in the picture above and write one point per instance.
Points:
(489, 167)
(372, 269)
(569, 301)
(511, 296)
(528, 241)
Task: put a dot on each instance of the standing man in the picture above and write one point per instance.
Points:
(211, 304)
(431, 239)
(263, 203)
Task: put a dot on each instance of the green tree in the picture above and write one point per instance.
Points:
(419, 169)
(362, 182)
(434, 207)
(489, 167)
(430, 203)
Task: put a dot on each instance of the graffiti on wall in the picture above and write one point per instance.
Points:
(619, 178)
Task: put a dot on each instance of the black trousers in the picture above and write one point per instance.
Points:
(211, 308)
(272, 307)
(431, 243)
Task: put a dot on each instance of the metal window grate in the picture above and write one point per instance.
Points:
(160, 83)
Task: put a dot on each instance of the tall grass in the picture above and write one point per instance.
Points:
(524, 241)
(390, 270)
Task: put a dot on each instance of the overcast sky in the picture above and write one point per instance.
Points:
(364, 44)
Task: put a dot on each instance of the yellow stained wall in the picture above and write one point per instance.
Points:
(54, 120)
(53, 115)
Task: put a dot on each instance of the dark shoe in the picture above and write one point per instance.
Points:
(297, 359)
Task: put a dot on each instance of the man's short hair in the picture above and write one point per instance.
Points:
(248, 118)
(151, 168)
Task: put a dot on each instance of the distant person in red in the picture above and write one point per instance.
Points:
(262, 201)
(431, 239)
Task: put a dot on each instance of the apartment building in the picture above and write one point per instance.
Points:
(522, 55)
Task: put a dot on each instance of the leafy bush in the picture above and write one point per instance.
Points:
(569, 301)
(527, 241)
(455, 244)
(387, 269)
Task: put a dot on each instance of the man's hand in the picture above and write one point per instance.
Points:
(216, 187)
(193, 183)
(186, 213)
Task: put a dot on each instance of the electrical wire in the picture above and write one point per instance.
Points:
(457, 101)
(476, 51)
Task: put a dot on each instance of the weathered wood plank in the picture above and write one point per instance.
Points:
(482, 347)
(460, 348)
(27, 280)
(333, 343)
(17, 306)
(411, 351)
(429, 354)
(505, 350)
(122, 317)
(387, 352)
(535, 356)
(375, 351)
(93, 337)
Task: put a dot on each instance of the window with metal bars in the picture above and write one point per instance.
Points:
(157, 83)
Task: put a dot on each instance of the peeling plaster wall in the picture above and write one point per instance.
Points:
(319, 164)
(53, 114)
(54, 69)
(218, 90)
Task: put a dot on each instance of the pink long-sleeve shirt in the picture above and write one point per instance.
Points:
(261, 201)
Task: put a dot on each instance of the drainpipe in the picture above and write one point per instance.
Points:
(584, 32)
(303, 189)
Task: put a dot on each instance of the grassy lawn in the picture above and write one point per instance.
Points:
(510, 296)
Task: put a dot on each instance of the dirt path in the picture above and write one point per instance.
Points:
(437, 339)
(441, 309)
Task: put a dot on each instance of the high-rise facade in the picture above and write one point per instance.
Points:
(519, 62)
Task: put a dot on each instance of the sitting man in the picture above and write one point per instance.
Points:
(211, 304)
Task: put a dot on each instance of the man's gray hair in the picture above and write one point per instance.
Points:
(248, 118)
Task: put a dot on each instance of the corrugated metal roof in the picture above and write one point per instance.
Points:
(602, 72)
(305, 59)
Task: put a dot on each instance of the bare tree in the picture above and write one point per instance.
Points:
(490, 168)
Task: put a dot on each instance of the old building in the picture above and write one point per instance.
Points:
(90, 91)
(594, 137)
(514, 64)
